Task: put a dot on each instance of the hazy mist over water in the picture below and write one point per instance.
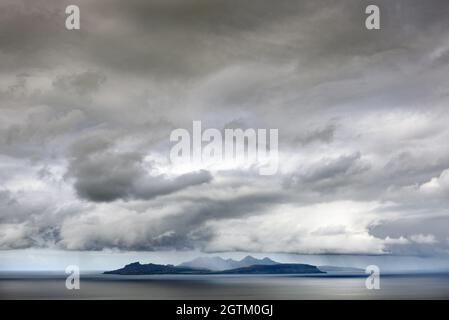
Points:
(97, 286)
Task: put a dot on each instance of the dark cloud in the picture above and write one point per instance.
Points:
(325, 134)
(102, 175)
(85, 119)
(184, 227)
(81, 83)
(331, 168)
(327, 175)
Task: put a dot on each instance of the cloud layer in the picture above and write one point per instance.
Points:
(85, 120)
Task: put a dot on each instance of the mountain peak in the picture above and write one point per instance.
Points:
(249, 259)
(216, 263)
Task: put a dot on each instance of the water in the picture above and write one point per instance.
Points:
(97, 286)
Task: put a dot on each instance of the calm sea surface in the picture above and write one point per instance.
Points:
(97, 286)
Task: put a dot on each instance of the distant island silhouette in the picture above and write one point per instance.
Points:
(218, 265)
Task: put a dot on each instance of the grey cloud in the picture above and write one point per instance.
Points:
(160, 185)
(182, 227)
(81, 83)
(362, 117)
(102, 175)
(168, 38)
(331, 168)
(329, 174)
(334, 230)
(325, 134)
(408, 227)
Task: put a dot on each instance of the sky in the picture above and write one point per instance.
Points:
(86, 116)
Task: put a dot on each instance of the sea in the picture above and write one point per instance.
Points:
(49, 286)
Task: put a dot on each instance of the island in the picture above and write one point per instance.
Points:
(248, 265)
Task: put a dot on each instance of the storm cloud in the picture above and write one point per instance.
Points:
(86, 116)
(104, 175)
